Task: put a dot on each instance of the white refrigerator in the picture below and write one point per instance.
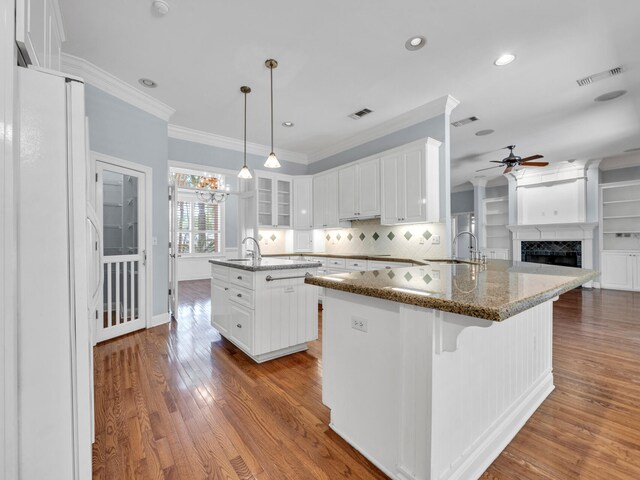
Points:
(55, 280)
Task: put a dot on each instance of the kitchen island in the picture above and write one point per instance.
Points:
(263, 306)
(430, 370)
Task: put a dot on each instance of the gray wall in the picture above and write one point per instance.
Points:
(462, 202)
(434, 127)
(498, 191)
(620, 175)
(123, 131)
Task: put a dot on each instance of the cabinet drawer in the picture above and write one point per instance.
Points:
(336, 263)
(242, 296)
(356, 265)
(242, 326)
(220, 273)
(323, 261)
(377, 265)
(241, 278)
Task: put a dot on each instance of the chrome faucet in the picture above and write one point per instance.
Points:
(475, 255)
(257, 257)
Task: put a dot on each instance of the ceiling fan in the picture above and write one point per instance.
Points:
(515, 161)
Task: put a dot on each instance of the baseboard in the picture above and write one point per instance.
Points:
(485, 453)
(195, 277)
(160, 319)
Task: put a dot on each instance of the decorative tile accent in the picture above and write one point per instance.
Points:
(391, 274)
(567, 253)
(350, 237)
(408, 276)
(427, 278)
(391, 236)
(427, 235)
(362, 236)
(376, 236)
(376, 273)
(328, 237)
(260, 237)
(273, 238)
(338, 237)
(408, 235)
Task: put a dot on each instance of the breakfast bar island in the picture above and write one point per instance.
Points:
(430, 370)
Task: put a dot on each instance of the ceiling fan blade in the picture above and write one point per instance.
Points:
(507, 170)
(532, 157)
(534, 164)
(483, 169)
(496, 161)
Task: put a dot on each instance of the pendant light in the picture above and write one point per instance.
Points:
(244, 171)
(272, 160)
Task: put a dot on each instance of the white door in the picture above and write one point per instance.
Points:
(320, 194)
(282, 203)
(302, 202)
(121, 206)
(173, 252)
(414, 187)
(347, 192)
(369, 188)
(617, 271)
(390, 190)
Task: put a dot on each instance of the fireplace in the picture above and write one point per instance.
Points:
(561, 253)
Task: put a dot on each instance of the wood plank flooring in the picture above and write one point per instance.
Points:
(178, 402)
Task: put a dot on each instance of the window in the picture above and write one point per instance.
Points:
(199, 226)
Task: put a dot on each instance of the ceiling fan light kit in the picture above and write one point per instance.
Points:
(513, 160)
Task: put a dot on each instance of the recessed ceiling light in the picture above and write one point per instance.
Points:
(288, 124)
(415, 43)
(482, 133)
(636, 149)
(605, 97)
(146, 82)
(505, 59)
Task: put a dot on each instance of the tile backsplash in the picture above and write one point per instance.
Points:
(369, 237)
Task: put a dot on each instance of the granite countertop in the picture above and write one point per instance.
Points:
(263, 264)
(495, 291)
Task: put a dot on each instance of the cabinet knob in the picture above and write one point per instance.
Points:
(239, 325)
(226, 288)
(239, 277)
(239, 295)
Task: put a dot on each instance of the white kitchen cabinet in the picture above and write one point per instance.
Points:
(411, 184)
(303, 240)
(274, 197)
(265, 318)
(303, 202)
(359, 190)
(39, 32)
(620, 270)
(325, 200)
(495, 253)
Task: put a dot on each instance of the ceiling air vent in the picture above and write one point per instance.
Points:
(600, 76)
(465, 121)
(361, 113)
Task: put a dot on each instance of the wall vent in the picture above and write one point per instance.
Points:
(600, 76)
(360, 113)
(465, 121)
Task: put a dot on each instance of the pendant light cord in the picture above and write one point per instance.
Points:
(245, 129)
(271, 72)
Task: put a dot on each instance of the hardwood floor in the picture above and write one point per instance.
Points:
(180, 402)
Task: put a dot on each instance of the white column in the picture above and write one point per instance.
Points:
(479, 194)
(513, 214)
(445, 174)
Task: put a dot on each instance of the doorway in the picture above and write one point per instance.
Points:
(121, 200)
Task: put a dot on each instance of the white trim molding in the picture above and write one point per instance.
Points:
(111, 84)
(229, 143)
(441, 106)
(159, 319)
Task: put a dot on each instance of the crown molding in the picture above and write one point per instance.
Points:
(57, 13)
(442, 105)
(206, 138)
(111, 84)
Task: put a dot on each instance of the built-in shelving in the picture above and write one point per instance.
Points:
(620, 216)
(496, 217)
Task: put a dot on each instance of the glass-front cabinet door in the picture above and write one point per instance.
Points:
(283, 194)
(275, 196)
(265, 202)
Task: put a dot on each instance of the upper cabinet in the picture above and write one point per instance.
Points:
(274, 197)
(39, 32)
(325, 200)
(303, 202)
(411, 184)
(359, 190)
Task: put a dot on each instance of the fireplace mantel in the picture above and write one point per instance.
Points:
(554, 231)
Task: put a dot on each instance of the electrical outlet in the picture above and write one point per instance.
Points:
(435, 240)
(435, 274)
(359, 324)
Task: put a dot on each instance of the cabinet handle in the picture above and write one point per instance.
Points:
(239, 277)
(239, 295)
(355, 264)
(226, 288)
(239, 325)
